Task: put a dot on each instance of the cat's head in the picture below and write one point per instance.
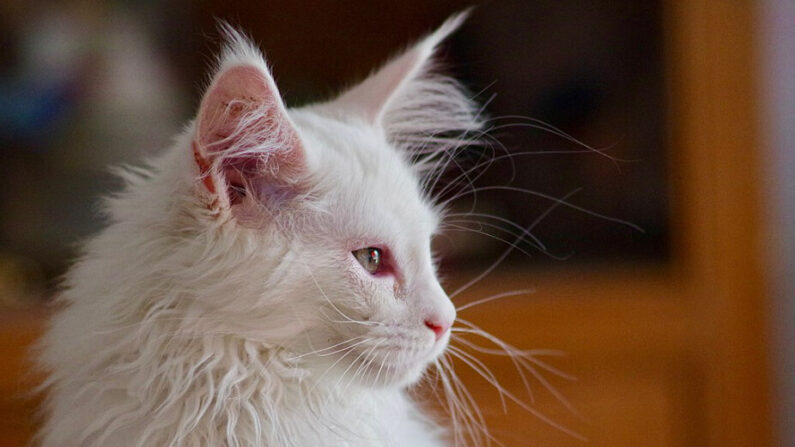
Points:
(326, 228)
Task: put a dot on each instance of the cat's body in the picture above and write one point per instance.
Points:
(229, 302)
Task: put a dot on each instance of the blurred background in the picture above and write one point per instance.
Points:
(652, 141)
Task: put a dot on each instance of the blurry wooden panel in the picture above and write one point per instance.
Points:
(619, 310)
(621, 402)
(628, 339)
(18, 330)
(717, 158)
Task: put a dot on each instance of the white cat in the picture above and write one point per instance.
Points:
(268, 280)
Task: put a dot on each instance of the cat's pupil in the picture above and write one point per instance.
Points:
(369, 258)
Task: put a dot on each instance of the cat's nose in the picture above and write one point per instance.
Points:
(437, 326)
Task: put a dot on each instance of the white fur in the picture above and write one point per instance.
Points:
(182, 326)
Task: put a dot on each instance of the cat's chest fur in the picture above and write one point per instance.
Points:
(297, 418)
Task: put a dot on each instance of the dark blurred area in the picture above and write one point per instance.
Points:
(87, 85)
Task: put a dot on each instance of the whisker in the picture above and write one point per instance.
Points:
(361, 322)
(328, 369)
(536, 243)
(509, 222)
(552, 390)
(481, 370)
(535, 412)
(317, 351)
(542, 125)
(513, 245)
(520, 371)
(553, 198)
(363, 353)
(526, 355)
(363, 367)
(507, 251)
(474, 424)
(494, 297)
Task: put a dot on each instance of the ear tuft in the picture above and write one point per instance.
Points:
(426, 114)
(244, 142)
(238, 49)
(417, 108)
(372, 98)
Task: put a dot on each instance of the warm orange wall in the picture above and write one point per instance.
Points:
(18, 329)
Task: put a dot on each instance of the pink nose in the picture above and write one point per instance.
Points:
(438, 328)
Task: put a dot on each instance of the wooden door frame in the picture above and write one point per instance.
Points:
(709, 305)
(718, 153)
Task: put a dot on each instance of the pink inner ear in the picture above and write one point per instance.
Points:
(237, 91)
(263, 151)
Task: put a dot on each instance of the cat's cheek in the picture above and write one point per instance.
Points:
(362, 285)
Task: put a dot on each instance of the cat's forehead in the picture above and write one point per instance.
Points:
(357, 163)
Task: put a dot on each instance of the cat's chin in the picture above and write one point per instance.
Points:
(403, 374)
(374, 376)
(395, 376)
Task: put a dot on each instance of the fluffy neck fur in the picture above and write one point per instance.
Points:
(187, 323)
(163, 371)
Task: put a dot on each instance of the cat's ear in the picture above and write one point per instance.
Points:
(408, 99)
(245, 144)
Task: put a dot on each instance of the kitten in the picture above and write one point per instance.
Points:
(268, 280)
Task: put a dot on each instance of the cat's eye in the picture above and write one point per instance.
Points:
(369, 258)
